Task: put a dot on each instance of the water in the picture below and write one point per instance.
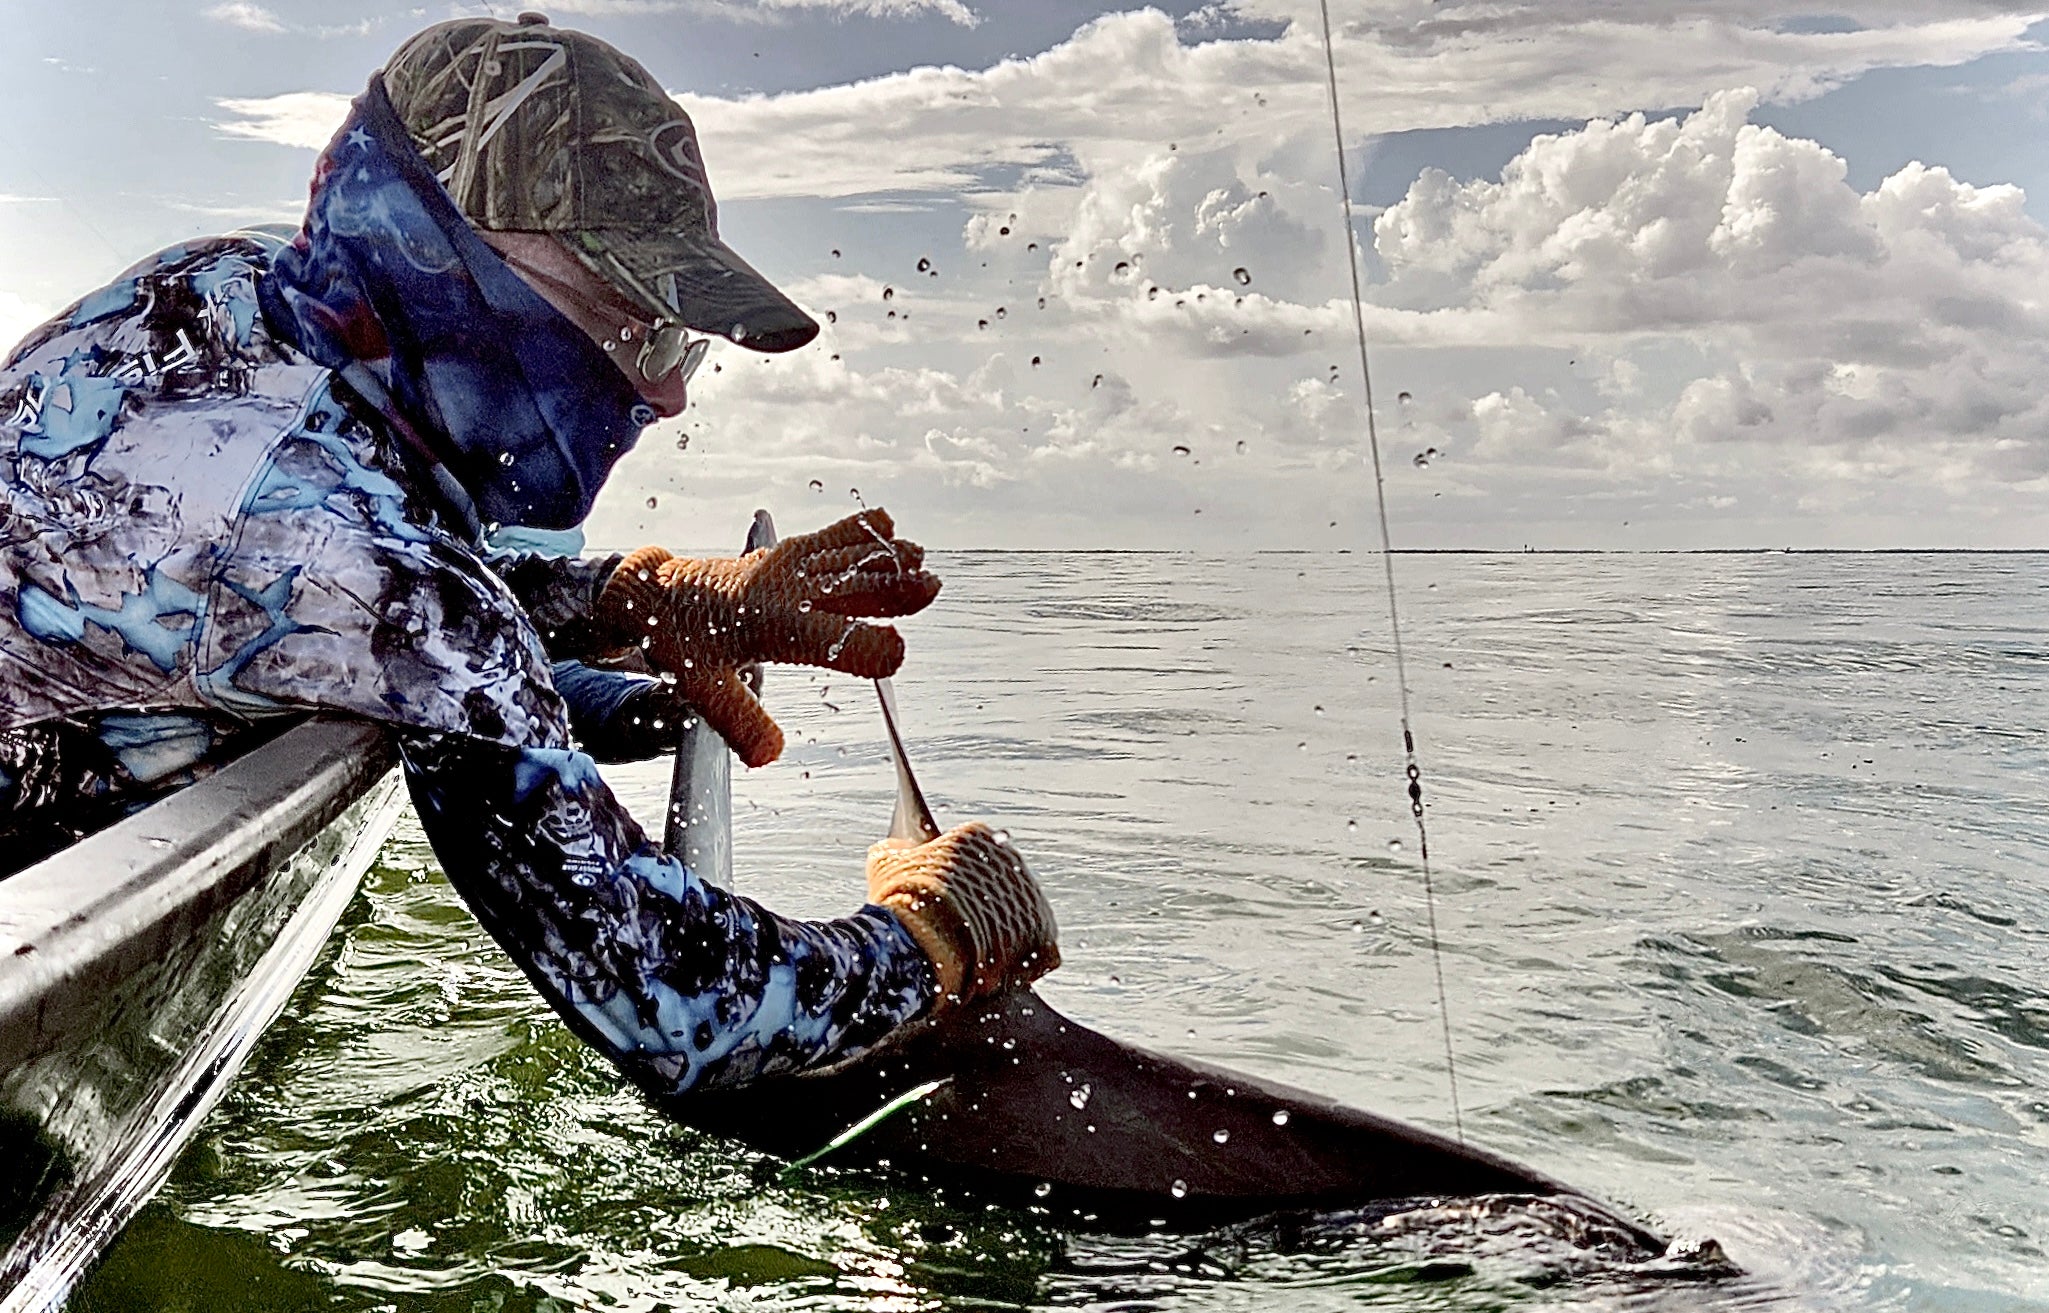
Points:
(1742, 873)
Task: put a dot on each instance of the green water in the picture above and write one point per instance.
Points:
(418, 1133)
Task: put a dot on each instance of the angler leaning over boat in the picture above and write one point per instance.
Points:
(251, 478)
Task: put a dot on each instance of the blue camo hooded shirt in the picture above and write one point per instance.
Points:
(247, 479)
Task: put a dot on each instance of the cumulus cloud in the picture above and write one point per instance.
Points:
(1896, 329)
(1639, 303)
(297, 118)
(954, 11)
(1127, 84)
(256, 18)
(977, 447)
(249, 17)
(1131, 82)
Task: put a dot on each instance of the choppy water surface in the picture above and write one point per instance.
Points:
(1742, 871)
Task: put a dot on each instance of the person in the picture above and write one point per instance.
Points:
(254, 478)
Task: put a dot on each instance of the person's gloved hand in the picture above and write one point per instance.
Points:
(618, 716)
(971, 904)
(700, 620)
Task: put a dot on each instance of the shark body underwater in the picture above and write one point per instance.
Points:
(1015, 1103)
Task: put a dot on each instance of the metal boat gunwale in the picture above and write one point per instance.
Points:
(240, 877)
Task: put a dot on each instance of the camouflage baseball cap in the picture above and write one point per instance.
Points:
(533, 128)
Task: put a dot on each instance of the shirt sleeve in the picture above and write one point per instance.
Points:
(683, 985)
(559, 593)
(619, 716)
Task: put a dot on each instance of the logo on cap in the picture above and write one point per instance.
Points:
(674, 146)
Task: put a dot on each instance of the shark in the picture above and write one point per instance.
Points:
(1016, 1103)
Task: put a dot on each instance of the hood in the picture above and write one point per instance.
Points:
(388, 285)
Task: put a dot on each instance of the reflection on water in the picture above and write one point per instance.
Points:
(1742, 884)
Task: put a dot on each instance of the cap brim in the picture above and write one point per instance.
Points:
(700, 282)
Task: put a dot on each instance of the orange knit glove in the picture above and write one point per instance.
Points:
(971, 904)
(701, 620)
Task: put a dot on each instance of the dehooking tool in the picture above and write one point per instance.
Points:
(912, 819)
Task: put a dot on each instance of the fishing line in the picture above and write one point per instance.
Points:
(1394, 621)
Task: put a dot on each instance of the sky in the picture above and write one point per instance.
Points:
(1691, 274)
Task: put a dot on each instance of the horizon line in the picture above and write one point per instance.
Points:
(1514, 551)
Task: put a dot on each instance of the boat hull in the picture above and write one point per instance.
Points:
(139, 967)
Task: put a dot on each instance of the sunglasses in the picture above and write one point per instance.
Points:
(669, 348)
(666, 346)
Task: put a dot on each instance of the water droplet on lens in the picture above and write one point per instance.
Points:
(1152, 293)
(1001, 312)
(1180, 450)
(1035, 362)
(1404, 398)
(505, 458)
(1079, 1097)
(1096, 382)
(818, 485)
(924, 266)
(1222, 1136)
(650, 503)
(1280, 1116)
(1394, 845)
(1042, 1189)
(804, 605)
(1179, 1190)
(1243, 275)
(1241, 446)
(981, 323)
(1122, 267)
(832, 316)
(1351, 825)
(889, 294)
(835, 252)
